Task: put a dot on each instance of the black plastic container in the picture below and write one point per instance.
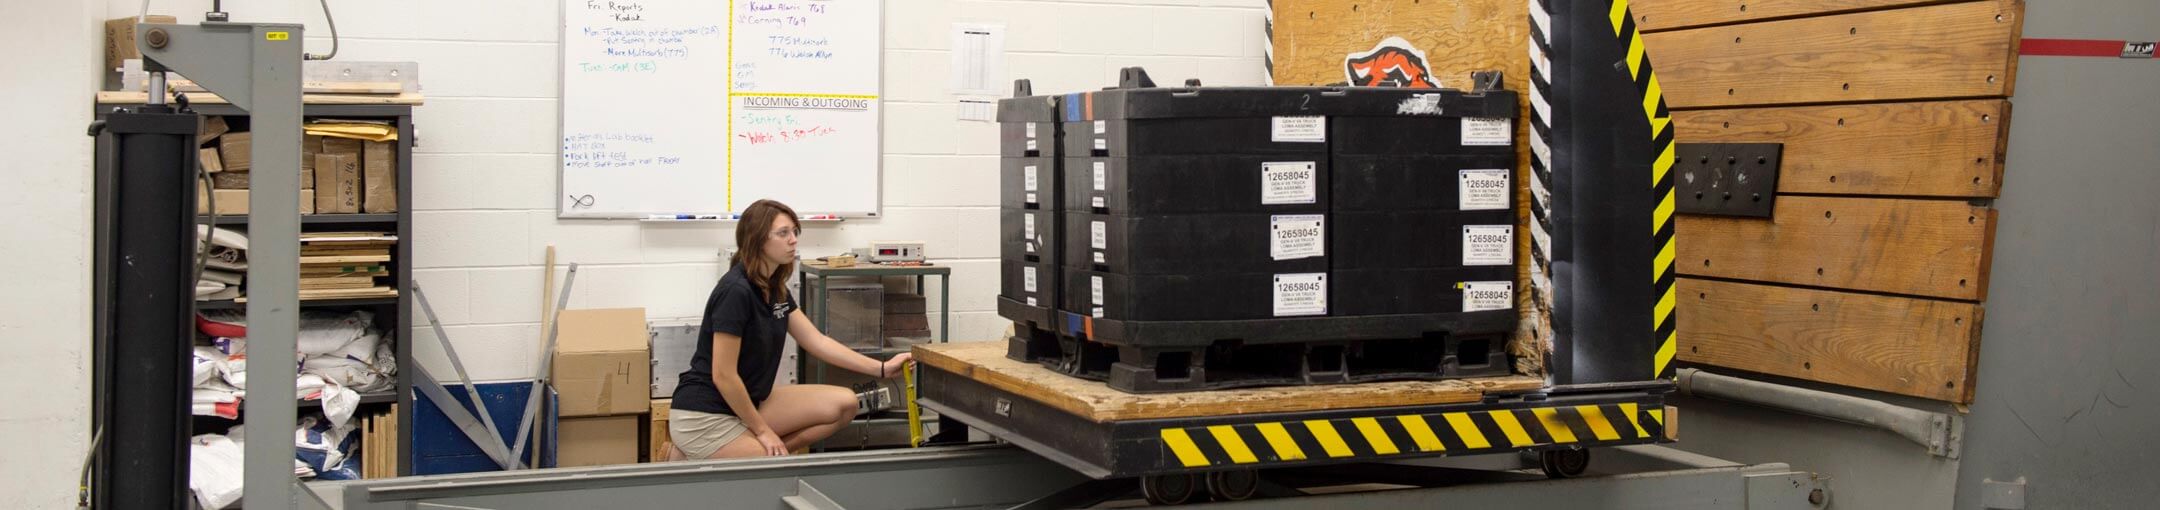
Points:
(1153, 185)
(1030, 183)
(1179, 297)
(1421, 239)
(1394, 183)
(1275, 120)
(1029, 235)
(1027, 126)
(1194, 244)
(1429, 291)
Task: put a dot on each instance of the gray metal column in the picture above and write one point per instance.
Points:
(257, 68)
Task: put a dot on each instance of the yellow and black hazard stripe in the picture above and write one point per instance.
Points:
(1450, 433)
(1663, 270)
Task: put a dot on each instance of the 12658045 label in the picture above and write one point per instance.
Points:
(1295, 182)
(1297, 236)
(1483, 190)
(1300, 294)
(1488, 245)
(1482, 296)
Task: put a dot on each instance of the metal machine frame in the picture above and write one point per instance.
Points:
(999, 476)
(1611, 395)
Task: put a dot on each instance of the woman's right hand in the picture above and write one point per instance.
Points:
(773, 445)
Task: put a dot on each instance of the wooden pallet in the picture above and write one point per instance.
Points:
(985, 362)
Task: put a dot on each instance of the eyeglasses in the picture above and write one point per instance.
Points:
(785, 233)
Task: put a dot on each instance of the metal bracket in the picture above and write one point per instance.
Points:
(1727, 179)
(2000, 495)
(809, 498)
(1940, 433)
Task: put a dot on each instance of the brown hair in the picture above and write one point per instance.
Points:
(752, 231)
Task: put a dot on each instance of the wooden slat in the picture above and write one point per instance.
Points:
(1919, 347)
(1941, 51)
(985, 362)
(1930, 248)
(1946, 148)
(1662, 15)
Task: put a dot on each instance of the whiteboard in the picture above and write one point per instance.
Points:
(699, 107)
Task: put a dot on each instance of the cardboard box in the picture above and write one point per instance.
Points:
(378, 178)
(906, 322)
(234, 202)
(897, 303)
(310, 146)
(208, 128)
(656, 431)
(120, 38)
(230, 180)
(602, 367)
(602, 441)
(337, 177)
(208, 159)
(230, 202)
(335, 145)
(233, 151)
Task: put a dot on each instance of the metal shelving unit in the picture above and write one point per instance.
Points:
(393, 315)
(816, 280)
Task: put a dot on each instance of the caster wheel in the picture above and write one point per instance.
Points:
(1170, 489)
(1233, 485)
(1568, 463)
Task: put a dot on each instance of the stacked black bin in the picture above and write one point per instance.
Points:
(1220, 237)
(1030, 183)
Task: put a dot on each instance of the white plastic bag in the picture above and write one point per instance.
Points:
(325, 333)
(214, 470)
(209, 365)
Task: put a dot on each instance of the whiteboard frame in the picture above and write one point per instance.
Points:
(877, 175)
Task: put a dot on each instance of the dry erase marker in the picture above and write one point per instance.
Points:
(675, 217)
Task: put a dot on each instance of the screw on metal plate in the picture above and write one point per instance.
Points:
(157, 38)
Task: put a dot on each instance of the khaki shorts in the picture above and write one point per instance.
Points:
(698, 434)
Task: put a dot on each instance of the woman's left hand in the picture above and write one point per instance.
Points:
(892, 367)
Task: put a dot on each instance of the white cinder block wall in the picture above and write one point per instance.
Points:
(485, 174)
(52, 50)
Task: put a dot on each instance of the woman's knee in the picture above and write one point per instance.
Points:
(841, 402)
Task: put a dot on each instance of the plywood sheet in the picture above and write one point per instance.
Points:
(1927, 248)
(1661, 15)
(1941, 51)
(986, 362)
(1941, 148)
(1918, 347)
